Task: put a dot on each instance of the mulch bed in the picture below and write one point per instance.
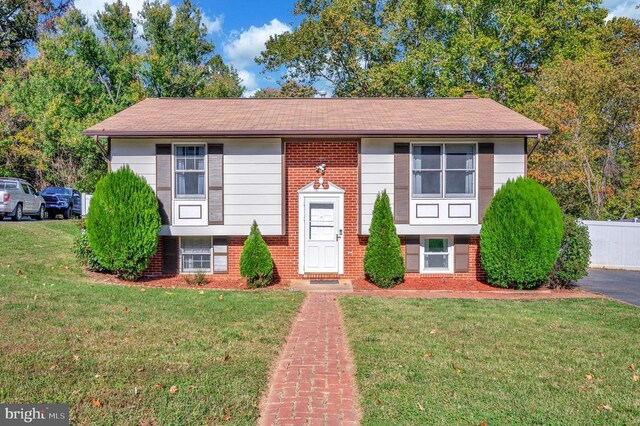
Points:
(411, 286)
(178, 281)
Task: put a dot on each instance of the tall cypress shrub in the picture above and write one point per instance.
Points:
(256, 263)
(123, 223)
(383, 262)
(521, 235)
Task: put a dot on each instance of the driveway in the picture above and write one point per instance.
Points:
(621, 285)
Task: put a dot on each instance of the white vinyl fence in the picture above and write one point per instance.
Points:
(85, 201)
(614, 245)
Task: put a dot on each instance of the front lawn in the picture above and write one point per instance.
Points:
(441, 362)
(119, 355)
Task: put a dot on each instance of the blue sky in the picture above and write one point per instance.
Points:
(240, 29)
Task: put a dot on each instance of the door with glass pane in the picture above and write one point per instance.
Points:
(322, 236)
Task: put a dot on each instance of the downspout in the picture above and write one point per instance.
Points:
(538, 140)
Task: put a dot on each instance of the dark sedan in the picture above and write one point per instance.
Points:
(64, 201)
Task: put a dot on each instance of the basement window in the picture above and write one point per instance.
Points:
(195, 254)
(437, 254)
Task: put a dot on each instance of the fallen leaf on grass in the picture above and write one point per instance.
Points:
(96, 403)
(225, 358)
(483, 423)
(433, 331)
(604, 407)
(173, 389)
(227, 417)
(140, 369)
(427, 355)
(420, 407)
(632, 367)
(76, 357)
(455, 367)
(159, 386)
(220, 297)
(126, 309)
(98, 376)
(635, 377)
(589, 377)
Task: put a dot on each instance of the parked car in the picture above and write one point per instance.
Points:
(64, 201)
(18, 199)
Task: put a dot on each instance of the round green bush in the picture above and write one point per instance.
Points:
(123, 223)
(256, 263)
(521, 235)
(575, 251)
(383, 262)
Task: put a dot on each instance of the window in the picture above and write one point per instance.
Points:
(436, 255)
(196, 254)
(458, 173)
(427, 170)
(190, 173)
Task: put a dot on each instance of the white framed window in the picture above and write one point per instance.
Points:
(190, 179)
(204, 254)
(436, 254)
(195, 254)
(443, 168)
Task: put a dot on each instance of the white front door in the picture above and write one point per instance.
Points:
(322, 235)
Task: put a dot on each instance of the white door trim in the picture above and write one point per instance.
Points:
(309, 193)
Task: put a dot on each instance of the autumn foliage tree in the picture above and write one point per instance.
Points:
(591, 160)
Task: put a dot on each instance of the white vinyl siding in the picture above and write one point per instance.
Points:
(252, 181)
(508, 160)
(139, 154)
(252, 186)
(376, 174)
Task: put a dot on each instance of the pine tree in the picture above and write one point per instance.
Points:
(383, 262)
(256, 263)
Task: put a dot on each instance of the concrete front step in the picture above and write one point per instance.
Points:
(306, 285)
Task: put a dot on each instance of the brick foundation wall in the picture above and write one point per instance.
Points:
(341, 159)
(155, 264)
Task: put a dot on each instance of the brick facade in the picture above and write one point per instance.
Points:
(341, 159)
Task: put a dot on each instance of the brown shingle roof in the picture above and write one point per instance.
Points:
(333, 116)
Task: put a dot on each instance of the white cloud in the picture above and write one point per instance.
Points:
(249, 80)
(625, 8)
(90, 7)
(243, 47)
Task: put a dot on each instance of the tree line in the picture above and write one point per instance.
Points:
(564, 64)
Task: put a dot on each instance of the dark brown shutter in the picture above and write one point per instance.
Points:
(216, 183)
(163, 181)
(413, 254)
(461, 253)
(401, 164)
(169, 255)
(485, 178)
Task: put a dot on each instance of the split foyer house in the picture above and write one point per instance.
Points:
(308, 172)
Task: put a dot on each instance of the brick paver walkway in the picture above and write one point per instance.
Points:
(313, 383)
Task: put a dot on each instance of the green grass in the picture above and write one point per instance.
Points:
(440, 362)
(65, 339)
